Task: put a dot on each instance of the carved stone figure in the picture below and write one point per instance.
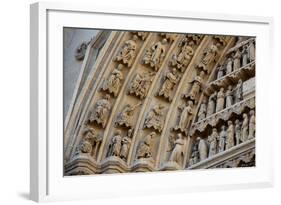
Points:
(196, 86)
(203, 149)
(185, 116)
(230, 135)
(155, 118)
(212, 104)
(245, 127)
(115, 145)
(144, 149)
(128, 52)
(141, 35)
(237, 132)
(171, 80)
(182, 59)
(237, 60)
(155, 55)
(251, 51)
(252, 125)
(229, 97)
(126, 143)
(222, 139)
(169, 36)
(101, 111)
(90, 143)
(141, 84)
(220, 71)
(194, 156)
(213, 142)
(177, 153)
(229, 63)
(113, 83)
(202, 110)
(245, 55)
(209, 56)
(239, 91)
(81, 51)
(124, 118)
(220, 100)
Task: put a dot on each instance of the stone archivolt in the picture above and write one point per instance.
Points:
(167, 102)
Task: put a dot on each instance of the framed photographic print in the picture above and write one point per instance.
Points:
(151, 101)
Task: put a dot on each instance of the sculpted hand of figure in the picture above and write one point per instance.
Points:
(101, 111)
(155, 55)
(155, 118)
(171, 80)
(128, 52)
(177, 153)
(113, 83)
(185, 117)
(124, 118)
(144, 149)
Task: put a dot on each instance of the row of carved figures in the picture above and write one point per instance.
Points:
(230, 136)
(220, 100)
(237, 58)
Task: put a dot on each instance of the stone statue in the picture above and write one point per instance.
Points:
(229, 97)
(209, 56)
(141, 84)
(251, 50)
(169, 36)
(113, 83)
(229, 63)
(144, 149)
(203, 149)
(237, 132)
(101, 111)
(171, 80)
(237, 60)
(230, 135)
(182, 59)
(239, 91)
(141, 35)
(124, 118)
(222, 139)
(194, 156)
(245, 55)
(155, 55)
(213, 142)
(252, 125)
(202, 110)
(128, 52)
(220, 100)
(245, 127)
(212, 104)
(155, 118)
(115, 145)
(220, 71)
(196, 86)
(81, 51)
(86, 144)
(185, 116)
(125, 145)
(177, 153)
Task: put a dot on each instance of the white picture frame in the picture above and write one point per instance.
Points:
(47, 182)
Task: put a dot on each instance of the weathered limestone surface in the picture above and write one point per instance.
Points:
(164, 101)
